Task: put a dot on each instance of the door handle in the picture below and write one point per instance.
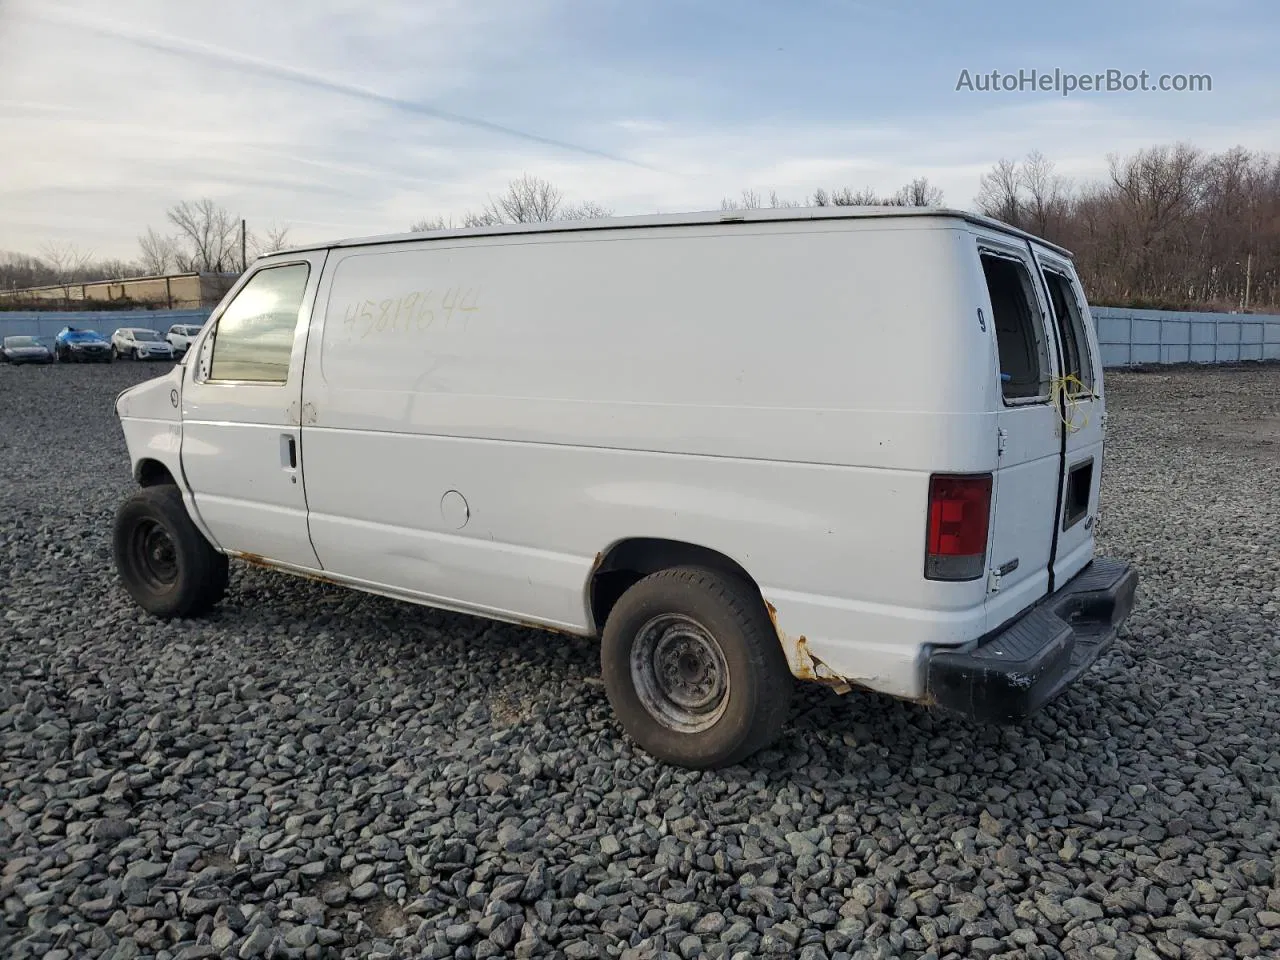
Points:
(288, 451)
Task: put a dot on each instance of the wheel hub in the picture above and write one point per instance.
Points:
(156, 556)
(679, 673)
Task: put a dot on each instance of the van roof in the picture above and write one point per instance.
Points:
(708, 217)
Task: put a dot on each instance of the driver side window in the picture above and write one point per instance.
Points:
(253, 339)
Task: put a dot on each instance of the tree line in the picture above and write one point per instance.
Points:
(1170, 226)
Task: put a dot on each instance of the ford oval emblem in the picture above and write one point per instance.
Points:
(173, 397)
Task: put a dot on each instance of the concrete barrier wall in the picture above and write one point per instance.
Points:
(1128, 336)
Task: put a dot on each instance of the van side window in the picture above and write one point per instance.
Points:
(1071, 331)
(1020, 338)
(253, 339)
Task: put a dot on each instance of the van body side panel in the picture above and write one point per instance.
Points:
(777, 392)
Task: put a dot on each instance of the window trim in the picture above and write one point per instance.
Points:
(1069, 282)
(209, 330)
(1043, 399)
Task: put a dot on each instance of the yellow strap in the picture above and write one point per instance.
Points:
(1067, 392)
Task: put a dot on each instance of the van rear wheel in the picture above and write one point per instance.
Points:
(693, 668)
(165, 563)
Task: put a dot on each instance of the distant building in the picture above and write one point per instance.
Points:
(177, 291)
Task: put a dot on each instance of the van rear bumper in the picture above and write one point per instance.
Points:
(1013, 672)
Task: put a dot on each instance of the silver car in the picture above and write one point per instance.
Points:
(138, 343)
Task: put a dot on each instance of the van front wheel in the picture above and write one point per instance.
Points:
(165, 563)
(693, 668)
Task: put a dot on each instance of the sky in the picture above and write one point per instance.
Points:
(352, 118)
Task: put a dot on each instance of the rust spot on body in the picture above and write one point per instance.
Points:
(257, 560)
(801, 661)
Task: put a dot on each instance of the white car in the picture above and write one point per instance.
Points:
(180, 336)
(860, 447)
(139, 343)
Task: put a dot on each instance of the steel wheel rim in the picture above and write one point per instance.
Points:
(154, 554)
(679, 673)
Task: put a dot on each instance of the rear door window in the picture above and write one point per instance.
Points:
(1071, 330)
(1020, 336)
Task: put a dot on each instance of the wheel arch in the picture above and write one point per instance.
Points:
(150, 472)
(629, 560)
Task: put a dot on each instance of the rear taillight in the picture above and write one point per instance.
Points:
(959, 513)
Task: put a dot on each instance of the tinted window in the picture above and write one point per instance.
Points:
(1019, 335)
(254, 336)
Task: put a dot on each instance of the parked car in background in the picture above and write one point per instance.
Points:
(80, 346)
(139, 343)
(24, 350)
(180, 336)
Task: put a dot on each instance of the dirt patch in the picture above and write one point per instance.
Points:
(385, 918)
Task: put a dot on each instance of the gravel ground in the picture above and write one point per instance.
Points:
(312, 772)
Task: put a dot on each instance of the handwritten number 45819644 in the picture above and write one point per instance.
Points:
(412, 313)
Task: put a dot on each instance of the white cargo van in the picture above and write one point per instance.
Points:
(855, 446)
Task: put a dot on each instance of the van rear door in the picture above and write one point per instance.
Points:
(1026, 488)
(1082, 407)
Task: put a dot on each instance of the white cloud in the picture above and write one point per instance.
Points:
(334, 115)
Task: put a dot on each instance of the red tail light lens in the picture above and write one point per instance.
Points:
(959, 515)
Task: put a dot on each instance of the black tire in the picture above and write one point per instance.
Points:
(745, 717)
(165, 563)
(133, 353)
(115, 354)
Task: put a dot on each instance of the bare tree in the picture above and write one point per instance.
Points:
(751, 200)
(160, 254)
(210, 233)
(918, 193)
(274, 239)
(482, 218)
(587, 210)
(1045, 205)
(748, 200)
(428, 224)
(527, 199)
(999, 193)
(845, 197)
(67, 261)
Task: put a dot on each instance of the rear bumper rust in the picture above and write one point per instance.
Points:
(1010, 674)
